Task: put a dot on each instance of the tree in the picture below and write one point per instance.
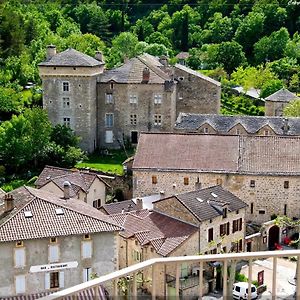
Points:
(64, 136)
(292, 109)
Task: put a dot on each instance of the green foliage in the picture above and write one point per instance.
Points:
(292, 109)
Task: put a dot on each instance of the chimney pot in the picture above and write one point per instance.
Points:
(99, 56)
(164, 60)
(67, 186)
(9, 202)
(51, 51)
(146, 75)
(139, 203)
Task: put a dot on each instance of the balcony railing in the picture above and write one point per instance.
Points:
(133, 270)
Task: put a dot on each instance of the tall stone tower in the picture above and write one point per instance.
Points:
(70, 95)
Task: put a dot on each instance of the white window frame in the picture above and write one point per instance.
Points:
(109, 120)
(53, 253)
(86, 249)
(86, 274)
(67, 121)
(66, 86)
(20, 284)
(20, 259)
(133, 98)
(157, 120)
(157, 98)
(109, 99)
(66, 102)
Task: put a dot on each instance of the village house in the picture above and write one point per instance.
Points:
(85, 186)
(275, 103)
(237, 125)
(48, 243)
(261, 170)
(109, 108)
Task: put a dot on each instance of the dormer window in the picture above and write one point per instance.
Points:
(266, 132)
(205, 130)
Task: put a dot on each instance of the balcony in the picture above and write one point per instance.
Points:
(153, 265)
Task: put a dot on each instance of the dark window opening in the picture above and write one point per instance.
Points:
(54, 280)
(252, 208)
(210, 234)
(286, 184)
(134, 137)
(252, 183)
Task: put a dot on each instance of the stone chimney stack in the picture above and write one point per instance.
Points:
(164, 60)
(146, 75)
(67, 186)
(285, 126)
(51, 51)
(162, 194)
(139, 203)
(9, 202)
(99, 56)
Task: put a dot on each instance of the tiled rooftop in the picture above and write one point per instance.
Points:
(282, 95)
(118, 207)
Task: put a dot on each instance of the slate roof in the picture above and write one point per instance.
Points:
(79, 180)
(118, 207)
(71, 58)
(252, 124)
(78, 217)
(270, 155)
(182, 55)
(283, 95)
(162, 232)
(208, 203)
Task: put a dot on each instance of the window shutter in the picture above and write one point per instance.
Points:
(228, 228)
(20, 284)
(241, 224)
(61, 279)
(87, 249)
(20, 257)
(47, 281)
(53, 253)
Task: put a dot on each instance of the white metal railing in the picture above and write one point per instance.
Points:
(224, 258)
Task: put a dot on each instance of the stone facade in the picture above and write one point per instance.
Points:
(103, 260)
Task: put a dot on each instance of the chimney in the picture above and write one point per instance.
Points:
(99, 56)
(51, 51)
(9, 202)
(67, 186)
(164, 60)
(146, 75)
(162, 194)
(139, 203)
(285, 126)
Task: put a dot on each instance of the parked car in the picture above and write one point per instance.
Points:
(240, 291)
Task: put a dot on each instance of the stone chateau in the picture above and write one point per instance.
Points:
(109, 108)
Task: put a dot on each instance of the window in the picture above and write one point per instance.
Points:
(109, 136)
(97, 203)
(133, 99)
(157, 98)
(65, 86)
(286, 184)
(219, 181)
(224, 212)
(240, 224)
(19, 244)
(240, 245)
(53, 240)
(134, 137)
(285, 209)
(87, 237)
(133, 119)
(86, 274)
(237, 288)
(53, 253)
(261, 212)
(66, 102)
(111, 85)
(109, 120)
(54, 280)
(228, 228)
(109, 98)
(20, 284)
(238, 132)
(19, 257)
(67, 121)
(154, 180)
(87, 249)
(210, 234)
(252, 183)
(205, 129)
(186, 181)
(236, 225)
(266, 132)
(223, 229)
(252, 208)
(136, 255)
(157, 120)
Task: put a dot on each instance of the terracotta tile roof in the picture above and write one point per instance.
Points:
(78, 217)
(282, 95)
(270, 155)
(163, 232)
(118, 207)
(252, 124)
(208, 203)
(71, 58)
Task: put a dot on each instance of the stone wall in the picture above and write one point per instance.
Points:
(268, 196)
(273, 108)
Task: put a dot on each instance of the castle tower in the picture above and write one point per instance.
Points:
(69, 92)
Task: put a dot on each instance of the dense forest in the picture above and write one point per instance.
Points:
(247, 42)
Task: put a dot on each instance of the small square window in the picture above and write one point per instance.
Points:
(205, 130)
(19, 244)
(261, 212)
(133, 99)
(154, 180)
(109, 98)
(157, 120)
(133, 119)
(266, 132)
(66, 86)
(53, 240)
(238, 132)
(66, 102)
(286, 184)
(67, 121)
(109, 120)
(87, 237)
(252, 183)
(186, 181)
(157, 98)
(219, 181)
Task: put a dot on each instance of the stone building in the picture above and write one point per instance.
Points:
(85, 186)
(261, 170)
(49, 243)
(109, 108)
(237, 125)
(275, 103)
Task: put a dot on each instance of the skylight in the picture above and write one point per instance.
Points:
(28, 214)
(59, 211)
(214, 195)
(199, 199)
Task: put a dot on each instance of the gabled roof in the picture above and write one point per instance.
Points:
(71, 58)
(132, 71)
(197, 74)
(78, 179)
(78, 217)
(118, 207)
(164, 233)
(208, 203)
(223, 124)
(270, 155)
(283, 95)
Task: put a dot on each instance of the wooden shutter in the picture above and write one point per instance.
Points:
(61, 279)
(47, 281)
(228, 228)
(210, 234)
(53, 253)
(240, 224)
(20, 257)
(20, 284)
(87, 249)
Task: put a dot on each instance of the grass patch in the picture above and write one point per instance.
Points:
(15, 183)
(111, 163)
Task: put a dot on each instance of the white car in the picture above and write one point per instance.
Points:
(240, 291)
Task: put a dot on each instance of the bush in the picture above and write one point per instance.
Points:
(240, 277)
